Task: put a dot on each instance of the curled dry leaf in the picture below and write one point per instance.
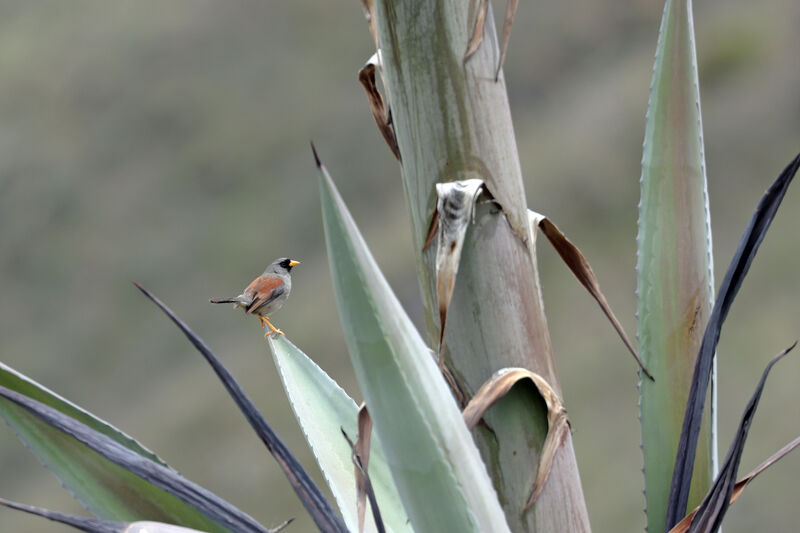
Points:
(366, 76)
(361, 451)
(361, 463)
(557, 423)
(477, 31)
(511, 10)
(580, 267)
(455, 208)
(369, 14)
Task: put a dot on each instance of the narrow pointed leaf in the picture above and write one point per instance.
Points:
(580, 267)
(437, 468)
(322, 408)
(83, 523)
(711, 512)
(96, 525)
(315, 503)
(477, 29)
(737, 270)
(114, 482)
(683, 525)
(674, 269)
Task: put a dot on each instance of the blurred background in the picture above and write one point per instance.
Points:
(167, 142)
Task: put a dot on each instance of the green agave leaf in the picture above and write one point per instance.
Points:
(675, 274)
(323, 408)
(113, 482)
(13, 380)
(437, 468)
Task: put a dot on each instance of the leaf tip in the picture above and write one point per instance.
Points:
(316, 155)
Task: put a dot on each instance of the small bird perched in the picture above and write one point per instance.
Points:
(266, 293)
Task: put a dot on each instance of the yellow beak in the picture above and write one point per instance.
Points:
(294, 263)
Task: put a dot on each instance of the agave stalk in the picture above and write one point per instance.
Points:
(452, 122)
(675, 270)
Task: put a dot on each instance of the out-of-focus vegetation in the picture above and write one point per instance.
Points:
(167, 143)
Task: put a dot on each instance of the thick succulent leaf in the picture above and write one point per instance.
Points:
(16, 381)
(112, 481)
(675, 273)
(323, 409)
(737, 270)
(315, 503)
(437, 468)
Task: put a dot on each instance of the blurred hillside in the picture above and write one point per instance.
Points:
(167, 142)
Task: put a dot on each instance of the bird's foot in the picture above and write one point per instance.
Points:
(273, 330)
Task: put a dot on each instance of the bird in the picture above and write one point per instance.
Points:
(265, 294)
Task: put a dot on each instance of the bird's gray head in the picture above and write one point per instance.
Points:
(281, 266)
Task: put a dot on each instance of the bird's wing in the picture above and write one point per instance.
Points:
(264, 290)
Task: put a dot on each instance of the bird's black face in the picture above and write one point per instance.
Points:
(288, 263)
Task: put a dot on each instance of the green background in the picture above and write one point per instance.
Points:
(167, 142)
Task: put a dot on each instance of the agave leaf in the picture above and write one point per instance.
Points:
(675, 273)
(307, 491)
(437, 468)
(322, 408)
(111, 480)
(96, 525)
(737, 270)
(18, 382)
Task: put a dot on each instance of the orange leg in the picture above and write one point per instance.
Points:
(272, 329)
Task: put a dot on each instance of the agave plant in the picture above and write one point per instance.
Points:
(470, 428)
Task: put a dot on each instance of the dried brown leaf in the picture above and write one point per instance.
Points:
(511, 10)
(580, 267)
(477, 32)
(683, 525)
(557, 423)
(369, 14)
(454, 211)
(361, 463)
(366, 76)
(362, 451)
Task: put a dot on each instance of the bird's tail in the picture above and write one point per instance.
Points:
(224, 301)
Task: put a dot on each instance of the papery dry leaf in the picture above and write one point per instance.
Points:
(369, 14)
(366, 76)
(455, 208)
(580, 267)
(362, 451)
(557, 423)
(511, 10)
(363, 483)
(477, 32)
